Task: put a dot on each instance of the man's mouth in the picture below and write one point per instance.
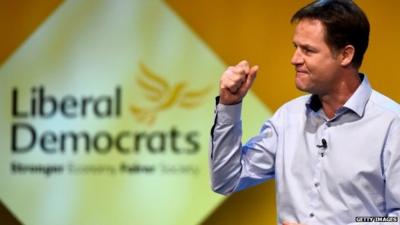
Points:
(301, 72)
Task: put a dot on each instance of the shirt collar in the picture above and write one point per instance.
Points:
(356, 102)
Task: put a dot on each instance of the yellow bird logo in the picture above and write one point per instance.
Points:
(164, 96)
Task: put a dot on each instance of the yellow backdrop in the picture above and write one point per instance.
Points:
(256, 30)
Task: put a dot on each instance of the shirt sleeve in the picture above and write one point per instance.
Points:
(392, 170)
(235, 167)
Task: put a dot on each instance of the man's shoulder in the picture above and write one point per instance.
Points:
(293, 106)
(385, 103)
(291, 110)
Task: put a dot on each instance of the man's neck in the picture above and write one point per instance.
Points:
(337, 97)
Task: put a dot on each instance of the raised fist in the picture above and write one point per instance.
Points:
(235, 82)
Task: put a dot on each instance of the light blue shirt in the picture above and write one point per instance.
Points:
(356, 174)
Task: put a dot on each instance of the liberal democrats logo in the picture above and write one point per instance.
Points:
(163, 95)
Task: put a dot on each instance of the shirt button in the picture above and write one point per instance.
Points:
(311, 214)
(316, 184)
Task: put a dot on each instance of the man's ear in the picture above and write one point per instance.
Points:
(347, 55)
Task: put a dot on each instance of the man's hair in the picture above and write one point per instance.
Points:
(345, 24)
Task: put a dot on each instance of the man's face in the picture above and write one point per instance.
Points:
(316, 65)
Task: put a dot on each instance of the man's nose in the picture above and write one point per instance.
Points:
(297, 58)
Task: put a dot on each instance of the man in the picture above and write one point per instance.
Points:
(335, 154)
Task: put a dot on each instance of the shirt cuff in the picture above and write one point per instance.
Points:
(228, 114)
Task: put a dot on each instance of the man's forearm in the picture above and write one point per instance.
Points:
(225, 149)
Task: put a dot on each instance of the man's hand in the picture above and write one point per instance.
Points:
(235, 82)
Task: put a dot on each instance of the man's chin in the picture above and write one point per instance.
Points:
(301, 87)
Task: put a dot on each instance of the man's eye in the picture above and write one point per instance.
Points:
(306, 50)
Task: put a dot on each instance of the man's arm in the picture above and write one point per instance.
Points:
(233, 166)
(225, 148)
(392, 170)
